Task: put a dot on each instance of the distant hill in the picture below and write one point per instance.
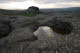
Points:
(53, 10)
(4, 11)
(63, 10)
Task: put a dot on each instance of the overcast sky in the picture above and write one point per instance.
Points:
(24, 4)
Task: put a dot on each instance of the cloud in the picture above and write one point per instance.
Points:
(40, 1)
(5, 1)
(23, 4)
(67, 4)
(55, 1)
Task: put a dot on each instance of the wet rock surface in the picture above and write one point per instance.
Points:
(39, 36)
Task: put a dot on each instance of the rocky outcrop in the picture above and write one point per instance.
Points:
(22, 41)
(17, 37)
(21, 34)
(22, 23)
(47, 38)
(58, 26)
(33, 10)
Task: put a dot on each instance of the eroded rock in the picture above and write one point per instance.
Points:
(58, 26)
(21, 34)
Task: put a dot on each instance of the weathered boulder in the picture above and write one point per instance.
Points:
(33, 10)
(58, 26)
(44, 32)
(17, 40)
(21, 34)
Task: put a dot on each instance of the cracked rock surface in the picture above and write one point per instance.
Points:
(35, 36)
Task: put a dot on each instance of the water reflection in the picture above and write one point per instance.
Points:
(44, 31)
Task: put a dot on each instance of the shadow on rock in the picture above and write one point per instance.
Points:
(59, 27)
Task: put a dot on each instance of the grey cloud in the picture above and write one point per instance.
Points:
(5, 1)
(40, 1)
(55, 1)
(67, 5)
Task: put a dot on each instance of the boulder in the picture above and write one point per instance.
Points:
(33, 10)
(21, 34)
(18, 35)
(58, 26)
(17, 40)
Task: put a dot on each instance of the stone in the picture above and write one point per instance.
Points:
(33, 8)
(58, 26)
(32, 11)
(21, 34)
(5, 27)
(4, 30)
(21, 23)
